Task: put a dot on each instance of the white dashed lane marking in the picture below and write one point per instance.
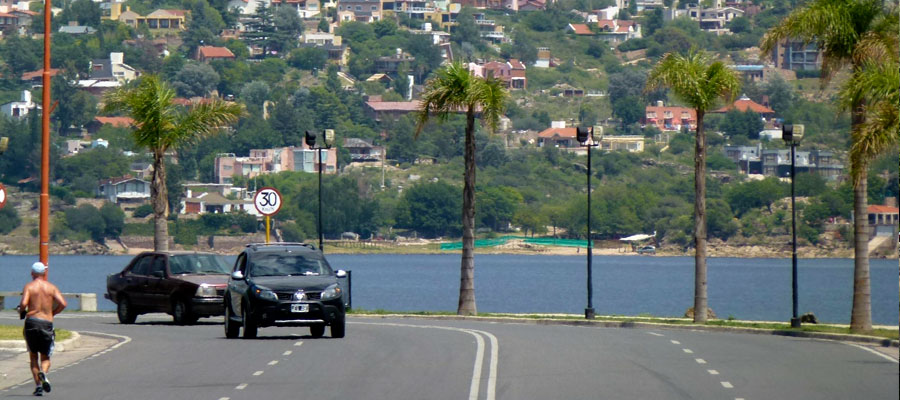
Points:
(241, 386)
(273, 362)
(675, 342)
(287, 353)
(298, 344)
(224, 398)
(712, 372)
(655, 334)
(727, 385)
(700, 361)
(258, 373)
(689, 351)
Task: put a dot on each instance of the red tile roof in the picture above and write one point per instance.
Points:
(516, 64)
(581, 29)
(408, 106)
(561, 132)
(743, 104)
(118, 122)
(878, 209)
(215, 52)
(37, 74)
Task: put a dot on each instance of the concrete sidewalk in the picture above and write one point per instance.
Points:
(15, 372)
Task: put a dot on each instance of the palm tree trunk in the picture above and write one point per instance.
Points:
(160, 200)
(861, 313)
(467, 267)
(700, 222)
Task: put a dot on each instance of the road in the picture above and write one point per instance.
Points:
(437, 359)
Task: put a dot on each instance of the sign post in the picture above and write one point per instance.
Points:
(2, 196)
(267, 202)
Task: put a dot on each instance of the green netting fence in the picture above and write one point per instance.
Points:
(481, 243)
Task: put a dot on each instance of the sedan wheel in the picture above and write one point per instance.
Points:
(125, 312)
(249, 325)
(181, 313)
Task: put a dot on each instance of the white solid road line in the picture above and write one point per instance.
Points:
(491, 390)
(875, 352)
(700, 361)
(727, 385)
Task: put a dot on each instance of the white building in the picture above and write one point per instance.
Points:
(21, 108)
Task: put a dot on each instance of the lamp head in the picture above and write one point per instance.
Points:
(582, 133)
(792, 133)
(310, 139)
(329, 137)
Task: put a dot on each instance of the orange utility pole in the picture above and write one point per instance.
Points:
(45, 144)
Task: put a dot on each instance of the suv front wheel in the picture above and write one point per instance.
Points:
(249, 325)
(231, 328)
(338, 328)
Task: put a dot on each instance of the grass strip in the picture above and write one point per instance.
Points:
(14, 332)
(786, 327)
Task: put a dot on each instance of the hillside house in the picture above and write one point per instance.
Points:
(557, 135)
(304, 8)
(126, 191)
(744, 104)
(19, 109)
(670, 118)
(362, 150)
(359, 10)
(205, 54)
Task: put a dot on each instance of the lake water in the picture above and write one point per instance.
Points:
(752, 289)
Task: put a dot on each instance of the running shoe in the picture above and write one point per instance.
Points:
(38, 391)
(45, 384)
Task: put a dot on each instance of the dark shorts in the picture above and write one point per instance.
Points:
(39, 336)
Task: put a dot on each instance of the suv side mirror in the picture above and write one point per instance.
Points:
(237, 275)
(341, 273)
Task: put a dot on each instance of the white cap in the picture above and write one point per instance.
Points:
(38, 268)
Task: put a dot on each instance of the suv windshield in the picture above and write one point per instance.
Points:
(198, 264)
(289, 265)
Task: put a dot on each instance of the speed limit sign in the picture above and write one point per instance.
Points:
(267, 201)
(2, 196)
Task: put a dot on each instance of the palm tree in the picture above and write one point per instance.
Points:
(454, 89)
(699, 82)
(162, 125)
(837, 27)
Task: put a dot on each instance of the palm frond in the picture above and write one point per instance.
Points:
(202, 120)
(490, 96)
(444, 94)
(694, 79)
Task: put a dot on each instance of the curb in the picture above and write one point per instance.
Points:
(651, 325)
(69, 344)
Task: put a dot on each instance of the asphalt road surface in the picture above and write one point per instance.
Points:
(419, 359)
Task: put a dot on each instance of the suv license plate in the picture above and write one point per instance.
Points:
(299, 308)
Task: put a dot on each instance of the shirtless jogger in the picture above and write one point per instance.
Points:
(41, 300)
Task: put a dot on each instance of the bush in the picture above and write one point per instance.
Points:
(86, 219)
(291, 232)
(9, 219)
(246, 222)
(114, 219)
(142, 211)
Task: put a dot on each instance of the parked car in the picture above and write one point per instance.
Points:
(185, 285)
(650, 249)
(283, 284)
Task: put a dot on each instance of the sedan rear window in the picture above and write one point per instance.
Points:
(198, 264)
(289, 265)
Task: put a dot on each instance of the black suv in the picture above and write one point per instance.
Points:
(283, 284)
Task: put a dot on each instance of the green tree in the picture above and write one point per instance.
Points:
(288, 28)
(9, 219)
(497, 205)
(161, 126)
(113, 220)
(699, 82)
(260, 29)
(203, 27)
(195, 79)
(430, 209)
(86, 218)
(308, 58)
(454, 89)
(85, 12)
(838, 27)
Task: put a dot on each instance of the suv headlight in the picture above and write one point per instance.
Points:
(331, 292)
(266, 294)
(205, 290)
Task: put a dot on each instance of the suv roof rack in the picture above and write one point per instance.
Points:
(255, 245)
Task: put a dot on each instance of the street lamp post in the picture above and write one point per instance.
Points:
(583, 134)
(792, 134)
(312, 142)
